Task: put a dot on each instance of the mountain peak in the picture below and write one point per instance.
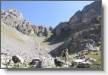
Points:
(13, 13)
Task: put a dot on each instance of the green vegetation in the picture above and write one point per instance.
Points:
(41, 40)
(18, 65)
(98, 56)
(95, 55)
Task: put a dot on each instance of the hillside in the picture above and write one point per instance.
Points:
(16, 43)
(74, 44)
(83, 27)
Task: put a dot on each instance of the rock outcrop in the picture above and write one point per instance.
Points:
(14, 18)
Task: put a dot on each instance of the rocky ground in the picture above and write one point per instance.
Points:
(25, 45)
(29, 47)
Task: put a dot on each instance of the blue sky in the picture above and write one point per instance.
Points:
(48, 13)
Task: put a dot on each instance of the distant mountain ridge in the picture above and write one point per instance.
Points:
(15, 19)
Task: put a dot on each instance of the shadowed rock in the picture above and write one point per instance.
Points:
(15, 59)
(58, 63)
(35, 63)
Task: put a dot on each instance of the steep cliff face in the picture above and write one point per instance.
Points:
(80, 18)
(83, 28)
(14, 18)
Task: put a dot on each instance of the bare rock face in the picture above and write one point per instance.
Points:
(61, 28)
(25, 27)
(11, 17)
(80, 18)
(12, 13)
(83, 25)
(76, 18)
(14, 18)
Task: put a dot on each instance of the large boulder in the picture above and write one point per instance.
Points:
(36, 63)
(48, 62)
(81, 65)
(17, 59)
(58, 62)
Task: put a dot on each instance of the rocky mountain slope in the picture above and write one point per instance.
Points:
(24, 39)
(83, 28)
(36, 43)
(14, 18)
(15, 43)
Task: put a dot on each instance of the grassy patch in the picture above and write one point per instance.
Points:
(98, 56)
(18, 65)
(9, 32)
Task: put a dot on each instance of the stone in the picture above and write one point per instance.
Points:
(48, 62)
(16, 59)
(36, 63)
(58, 63)
(81, 65)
